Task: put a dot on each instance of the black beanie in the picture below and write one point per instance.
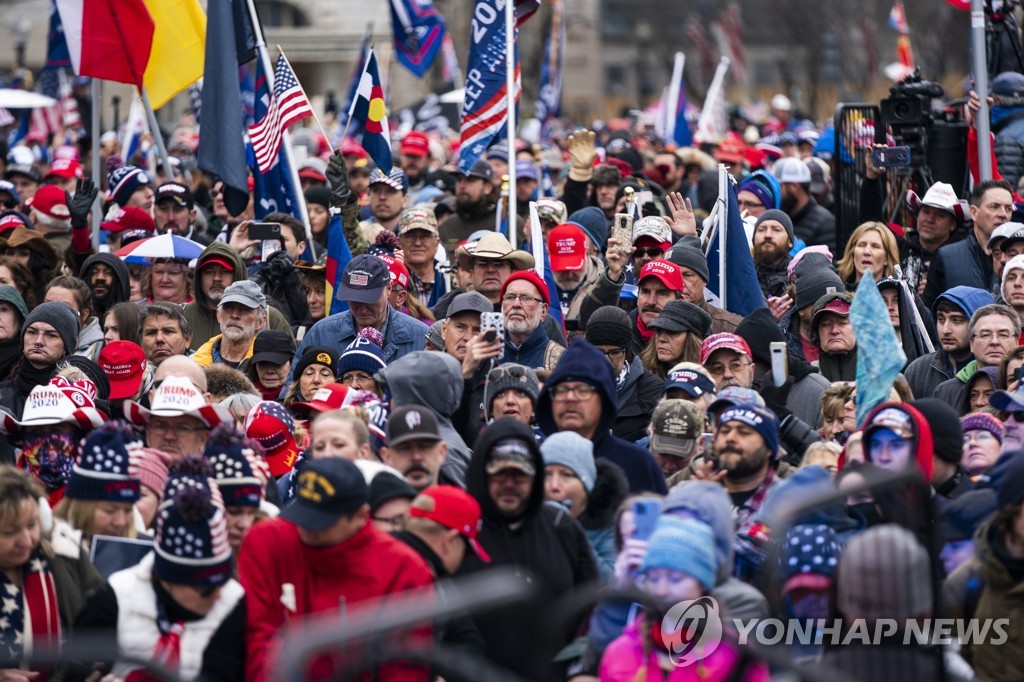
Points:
(386, 487)
(317, 355)
(689, 257)
(947, 434)
(812, 285)
(609, 325)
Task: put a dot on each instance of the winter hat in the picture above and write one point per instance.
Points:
(759, 190)
(319, 195)
(808, 557)
(316, 355)
(95, 374)
(1007, 476)
(761, 419)
(362, 354)
(710, 504)
(106, 469)
(385, 487)
(884, 573)
(510, 376)
(574, 452)
(61, 317)
(594, 224)
(759, 329)
(533, 278)
(682, 316)
(684, 545)
(812, 285)
(191, 471)
(151, 467)
(981, 421)
(434, 338)
(813, 257)
(240, 472)
(689, 257)
(191, 539)
(609, 325)
(123, 182)
(778, 216)
(270, 425)
(9, 294)
(606, 174)
(947, 432)
(1015, 263)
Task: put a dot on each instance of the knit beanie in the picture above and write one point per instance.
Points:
(510, 376)
(884, 573)
(610, 326)
(123, 181)
(574, 452)
(9, 294)
(982, 421)
(593, 222)
(61, 317)
(191, 471)
(709, 503)
(533, 278)
(106, 469)
(434, 338)
(812, 285)
(781, 217)
(689, 257)
(240, 472)
(947, 432)
(760, 419)
(759, 190)
(808, 557)
(152, 469)
(1015, 263)
(316, 355)
(684, 545)
(362, 354)
(385, 487)
(319, 195)
(273, 427)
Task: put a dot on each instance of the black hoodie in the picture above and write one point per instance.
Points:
(119, 292)
(546, 543)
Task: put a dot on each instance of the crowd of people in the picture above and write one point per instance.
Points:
(598, 423)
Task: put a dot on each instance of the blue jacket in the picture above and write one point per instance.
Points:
(961, 263)
(583, 362)
(531, 353)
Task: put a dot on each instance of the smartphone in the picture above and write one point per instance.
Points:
(780, 362)
(645, 515)
(492, 325)
(890, 157)
(622, 229)
(1018, 373)
(265, 231)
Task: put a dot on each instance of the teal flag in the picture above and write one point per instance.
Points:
(880, 356)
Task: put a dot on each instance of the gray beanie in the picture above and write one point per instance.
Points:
(434, 338)
(689, 257)
(510, 375)
(11, 295)
(574, 452)
(884, 573)
(812, 285)
(781, 217)
(62, 317)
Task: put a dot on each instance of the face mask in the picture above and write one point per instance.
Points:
(50, 457)
(869, 511)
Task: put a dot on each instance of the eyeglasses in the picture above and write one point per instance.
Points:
(751, 204)
(986, 336)
(649, 251)
(978, 437)
(581, 391)
(354, 377)
(614, 353)
(397, 522)
(718, 369)
(525, 299)
(517, 372)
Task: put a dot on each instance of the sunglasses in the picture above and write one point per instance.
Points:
(650, 251)
(517, 372)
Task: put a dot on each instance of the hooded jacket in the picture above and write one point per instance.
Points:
(924, 445)
(545, 542)
(201, 317)
(952, 390)
(433, 380)
(122, 287)
(598, 518)
(962, 263)
(991, 373)
(583, 362)
(638, 395)
(90, 340)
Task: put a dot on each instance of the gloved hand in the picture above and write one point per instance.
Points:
(775, 397)
(277, 267)
(582, 154)
(80, 204)
(630, 558)
(337, 175)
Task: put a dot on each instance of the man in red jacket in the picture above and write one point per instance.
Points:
(321, 552)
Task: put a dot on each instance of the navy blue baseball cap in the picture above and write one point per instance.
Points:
(326, 490)
(694, 383)
(363, 279)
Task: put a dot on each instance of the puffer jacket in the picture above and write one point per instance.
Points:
(598, 518)
(1009, 146)
(637, 398)
(815, 224)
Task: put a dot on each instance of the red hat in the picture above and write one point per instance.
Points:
(399, 273)
(567, 246)
(124, 363)
(66, 168)
(415, 143)
(128, 218)
(11, 221)
(353, 148)
(326, 398)
(311, 173)
(723, 340)
(452, 508)
(222, 261)
(274, 429)
(664, 270)
(731, 149)
(533, 278)
(50, 200)
(623, 166)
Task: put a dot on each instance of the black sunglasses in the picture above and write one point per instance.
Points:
(652, 251)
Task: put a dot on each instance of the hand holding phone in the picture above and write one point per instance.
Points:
(890, 157)
(780, 362)
(492, 326)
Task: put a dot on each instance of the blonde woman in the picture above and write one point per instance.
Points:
(871, 247)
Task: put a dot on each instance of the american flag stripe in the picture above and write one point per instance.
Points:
(288, 105)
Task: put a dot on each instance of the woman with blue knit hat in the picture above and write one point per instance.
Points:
(363, 358)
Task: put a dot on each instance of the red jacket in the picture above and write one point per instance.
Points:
(368, 565)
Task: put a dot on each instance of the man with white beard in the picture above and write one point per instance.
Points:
(241, 314)
(524, 305)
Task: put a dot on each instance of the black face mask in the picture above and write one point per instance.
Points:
(869, 511)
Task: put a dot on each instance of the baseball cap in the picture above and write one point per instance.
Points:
(567, 248)
(327, 398)
(525, 169)
(723, 340)
(66, 168)
(894, 419)
(417, 218)
(1015, 236)
(1003, 231)
(412, 422)
(470, 302)
(363, 280)
(511, 453)
(246, 292)
(313, 169)
(396, 179)
(498, 153)
(655, 227)
(665, 271)
(128, 218)
(124, 363)
(415, 143)
(52, 201)
(835, 302)
(676, 426)
(481, 169)
(790, 169)
(275, 346)
(454, 508)
(694, 383)
(181, 194)
(9, 187)
(396, 270)
(735, 395)
(325, 490)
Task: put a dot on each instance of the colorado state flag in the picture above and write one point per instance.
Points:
(368, 108)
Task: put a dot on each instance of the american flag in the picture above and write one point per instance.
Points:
(288, 105)
(730, 37)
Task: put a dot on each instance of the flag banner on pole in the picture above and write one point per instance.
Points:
(418, 30)
(904, 64)
(729, 34)
(741, 277)
(108, 40)
(354, 129)
(450, 71)
(273, 189)
(135, 128)
(338, 256)
(179, 46)
(369, 110)
(286, 105)
(549, 98)
(57, 55)
(880, 356)
(714, 122)
(485, 108)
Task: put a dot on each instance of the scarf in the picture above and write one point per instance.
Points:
(10, 351)
(49, 457)
(167, 652)
(620, 380)
(28, 377)
(645, 333)
(37, 594)
(267, 393)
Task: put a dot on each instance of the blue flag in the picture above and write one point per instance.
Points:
(418, 30)
(338, 256)
(549, 99)
(57, 55)
(681, 132)
(274, 190)
(743, 291)
(221, 145)
(880, 355)
(354, 126)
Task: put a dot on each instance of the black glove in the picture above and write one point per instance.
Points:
(277, 267)
(337, 175)
(775, 397)
(796, 436)
(80, 204)
(649, 209)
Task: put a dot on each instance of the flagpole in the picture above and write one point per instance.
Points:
(94, 132)
(352, 105)
(315, 117)
(980, 69)
(723, 230)
(672, 106)
(154, 128)
(286, 140)
(510, 105)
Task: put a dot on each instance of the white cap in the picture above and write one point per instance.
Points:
(781, 102)
(790, 169)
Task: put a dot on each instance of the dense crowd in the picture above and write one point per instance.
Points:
(199, 456)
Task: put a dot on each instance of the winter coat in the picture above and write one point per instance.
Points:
(369, 565)
(598, 518)
(433, 380)
(1009, 146)
(952, 391)
(838, 366)
(721, 320)
(965, 402)
(584, 362)
(572, 301)
(773, 281)
(545, 543)
(815, 224)
(122, 287)
(209, 353)
(962, 263)
(637, 398)
(537, 351)
(74, 576)
(201, 317)
(459, 226)
(402, 334)
(90, 340)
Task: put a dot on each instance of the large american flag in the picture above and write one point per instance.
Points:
(288, 105)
